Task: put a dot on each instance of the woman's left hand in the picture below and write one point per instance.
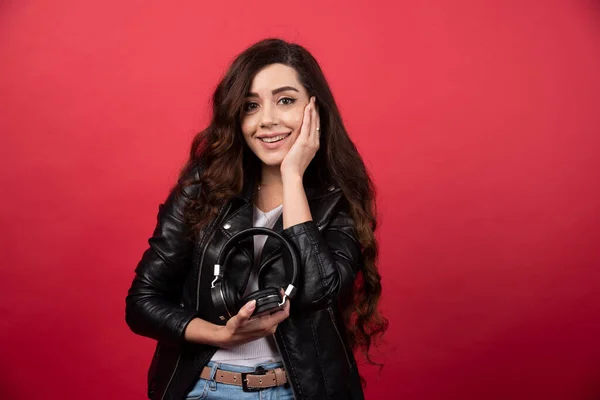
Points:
(306, 145)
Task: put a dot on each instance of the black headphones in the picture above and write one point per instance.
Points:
(228, 302)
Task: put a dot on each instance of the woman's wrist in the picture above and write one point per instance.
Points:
(295, 203)
(204, 332)
(291, 178)
(221, 336)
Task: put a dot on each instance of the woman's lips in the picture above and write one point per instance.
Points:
(274, 145)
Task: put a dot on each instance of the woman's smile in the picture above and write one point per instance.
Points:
(274, 140)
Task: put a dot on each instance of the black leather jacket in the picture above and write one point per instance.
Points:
(173, 280)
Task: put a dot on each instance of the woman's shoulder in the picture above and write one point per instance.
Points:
(192, 171)
(188, 183)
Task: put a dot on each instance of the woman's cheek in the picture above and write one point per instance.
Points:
(248, 126)
(295, 116)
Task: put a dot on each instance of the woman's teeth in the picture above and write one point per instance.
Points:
(275, 138)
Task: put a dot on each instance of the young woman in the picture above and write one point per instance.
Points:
(275, 155)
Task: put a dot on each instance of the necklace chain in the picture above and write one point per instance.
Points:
(264, 214)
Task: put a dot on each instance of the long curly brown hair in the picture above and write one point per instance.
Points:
(227, 161)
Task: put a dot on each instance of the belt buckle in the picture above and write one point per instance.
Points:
(257, 371)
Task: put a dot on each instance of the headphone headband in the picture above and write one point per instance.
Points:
(253, 231)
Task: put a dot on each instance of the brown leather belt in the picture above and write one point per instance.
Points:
(249, 381)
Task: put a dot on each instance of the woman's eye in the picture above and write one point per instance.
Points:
(249, 107)
(287, 100)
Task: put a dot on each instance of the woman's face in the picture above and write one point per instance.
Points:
(272, 113)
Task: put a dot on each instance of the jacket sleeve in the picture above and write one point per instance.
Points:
(152, 303)
(329, 260)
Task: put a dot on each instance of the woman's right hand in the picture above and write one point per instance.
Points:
(242, 329)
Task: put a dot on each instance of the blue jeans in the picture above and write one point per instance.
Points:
(211, 390)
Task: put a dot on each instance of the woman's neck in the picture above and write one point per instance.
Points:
(270, 190)
(271, 176)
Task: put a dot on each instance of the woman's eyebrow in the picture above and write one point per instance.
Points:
(274, 91)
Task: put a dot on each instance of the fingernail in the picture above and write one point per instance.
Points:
(251, 305)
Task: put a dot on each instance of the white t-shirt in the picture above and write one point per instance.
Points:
(263, 349)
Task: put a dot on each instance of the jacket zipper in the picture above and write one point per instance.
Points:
(171, 378)
(212, 233)
(286, 367)
(339, 336)
(213, 229)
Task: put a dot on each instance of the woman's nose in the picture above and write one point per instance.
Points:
(268, 116)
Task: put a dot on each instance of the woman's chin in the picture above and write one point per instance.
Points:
(272, 160)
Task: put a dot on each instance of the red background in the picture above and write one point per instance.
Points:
(478, 120)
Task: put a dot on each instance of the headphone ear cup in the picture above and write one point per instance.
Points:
(217, 300)
(267, 300)
(232, 299)
(230, 296)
